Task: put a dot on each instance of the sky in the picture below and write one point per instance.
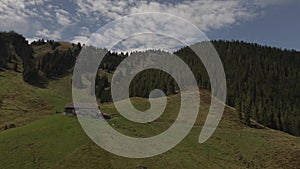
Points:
(267, 22)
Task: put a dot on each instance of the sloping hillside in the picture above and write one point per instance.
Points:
(59, 142)
(262, 82)
(43, 139)
(28, 90)
(22, 103)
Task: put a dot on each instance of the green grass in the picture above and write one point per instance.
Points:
(44, 140)
(59, 142)
(21, 103)
(42, 144)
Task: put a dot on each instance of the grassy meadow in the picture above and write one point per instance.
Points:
(21, 103)
(59, 142)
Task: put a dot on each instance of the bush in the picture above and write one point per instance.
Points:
(12, 126)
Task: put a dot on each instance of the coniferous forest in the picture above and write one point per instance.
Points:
(263, 83)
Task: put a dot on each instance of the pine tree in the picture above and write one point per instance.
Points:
(170, 86)
(247, 110)
(15, 67)
(238, 109)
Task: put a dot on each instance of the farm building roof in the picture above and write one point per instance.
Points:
(81, 106)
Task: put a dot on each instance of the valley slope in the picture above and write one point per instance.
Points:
(59, 141)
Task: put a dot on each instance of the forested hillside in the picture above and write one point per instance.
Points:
(38, 61)
(16, 54)
(55, 59)
(262, 82)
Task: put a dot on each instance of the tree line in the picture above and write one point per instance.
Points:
(263, 83)
(17, 54)
(15, 49)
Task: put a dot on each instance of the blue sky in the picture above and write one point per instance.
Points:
(278, 26)
(268, 22)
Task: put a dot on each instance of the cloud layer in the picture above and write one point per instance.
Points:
(74, 20)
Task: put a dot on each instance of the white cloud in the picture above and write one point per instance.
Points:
(81, 39)
(264, 3)
(62, 17)
(30, 40)
(84, 31)
(48, 19)
(99, 8)
(47, 34)
(206, 15)
(16, 15)
(35, 2)
(165, 26)
(9, 17)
